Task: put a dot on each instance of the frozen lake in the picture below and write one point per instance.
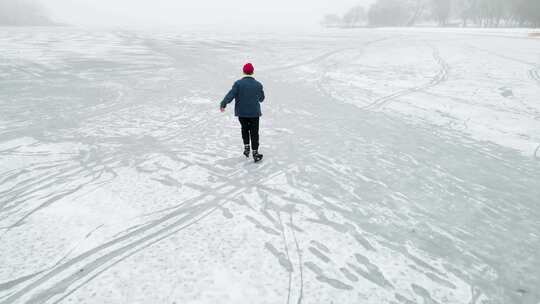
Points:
(401, 166)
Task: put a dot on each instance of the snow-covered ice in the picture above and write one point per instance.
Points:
(402, 166)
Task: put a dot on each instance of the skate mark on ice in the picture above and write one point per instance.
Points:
(319, 254)
(506, 57)
(260, 226)
(300, 263)
(82, 270)
(282, 257)
(323, 79)
(423, 293)
(86, 270)
(349, 275)
(295, 228)
(506, 92)
(323, 220)
(28, 186)
(10, 284)
(307, 62)
(15, 175)
(529, 110)
(290, 245)
(533, 73)
(320, 246)
(88, 265)
(286, 247)
(27, 190)
(363, 241)
(323, 56)
(323, 278)
(373, 272)
(168, 181)
(437, 279)
(403, 299)
(441, 76)
(267, 205)
(226, 212)
(42, 206)
(13, 283)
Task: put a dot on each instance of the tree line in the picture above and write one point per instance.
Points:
(464, 13)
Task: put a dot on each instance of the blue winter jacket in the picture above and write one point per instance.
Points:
(248, 93)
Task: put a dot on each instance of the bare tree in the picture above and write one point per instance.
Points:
(441, 11)
(420, 6)
(484, 13)
(391, 12)
(464, 10)
(355, 17)
(527, 12)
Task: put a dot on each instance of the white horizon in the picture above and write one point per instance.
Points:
(233, 14)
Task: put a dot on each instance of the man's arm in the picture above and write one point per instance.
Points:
(230, 96)
(261, 97)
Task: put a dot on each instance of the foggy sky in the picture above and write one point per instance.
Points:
(222, 13)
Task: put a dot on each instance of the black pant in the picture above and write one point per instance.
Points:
(250, 129)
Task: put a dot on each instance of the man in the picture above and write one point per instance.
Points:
(248, 93)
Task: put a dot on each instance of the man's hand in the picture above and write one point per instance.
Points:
(222, 110)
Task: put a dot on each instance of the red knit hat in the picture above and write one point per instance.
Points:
(249, 69)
